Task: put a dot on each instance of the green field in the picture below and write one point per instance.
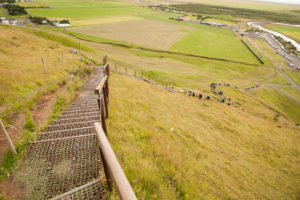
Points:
(215, 42)
(86, 9)
(148, 33)
(292, 32)
(290, 90)
(3, 14)
(295, 75)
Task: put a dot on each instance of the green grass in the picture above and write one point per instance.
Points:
(9, 161)
(87, 9)
(292, 32)
(280, 102)
(214, 152)
(214, 42)
(290, 90)
(295, 75)
(62, 40)
(3, 14)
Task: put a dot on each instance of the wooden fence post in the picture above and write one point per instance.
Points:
(44, 68)
(5, 134)
(62, 58)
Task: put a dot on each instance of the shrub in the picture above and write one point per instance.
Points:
(29, 124)
(64, 21)
(15, 9)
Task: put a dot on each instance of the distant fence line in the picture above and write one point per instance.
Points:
(258, 58)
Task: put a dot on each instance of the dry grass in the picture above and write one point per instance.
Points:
(21, 71)
(150, 33)
(215, 151)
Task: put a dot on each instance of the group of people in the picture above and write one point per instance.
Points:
(193, 94)
(220, 93)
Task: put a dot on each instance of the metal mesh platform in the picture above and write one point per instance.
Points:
(90, 191)
(66, 133)
(57, 166)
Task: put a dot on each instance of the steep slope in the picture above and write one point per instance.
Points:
(22, 75)
(215, 151)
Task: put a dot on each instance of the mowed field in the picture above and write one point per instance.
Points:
(215, 42)
(86, 9)
(149, 33)
(290, 31)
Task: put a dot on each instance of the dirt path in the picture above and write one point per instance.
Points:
(273, 86)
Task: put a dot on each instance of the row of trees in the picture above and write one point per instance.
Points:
(15, 9)
(7, 1)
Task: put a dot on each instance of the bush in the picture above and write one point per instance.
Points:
(64, 21)
(29, 124)
(7, 1)
(39, 20)
(15, 9)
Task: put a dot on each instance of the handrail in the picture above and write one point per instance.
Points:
(100, 86)
(123, 186)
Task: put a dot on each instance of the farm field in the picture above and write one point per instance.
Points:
(211, 152)
(292, 32)
(149, 33)
(194, 73)
(214, 42)
(117, 21)
(246, 4)
(102, 20)
(86, 9)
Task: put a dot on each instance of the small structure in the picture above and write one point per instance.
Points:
(44, 21)
(61, 25)
(12, 22)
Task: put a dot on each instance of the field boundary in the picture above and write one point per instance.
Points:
(124, 45)
(258, 58)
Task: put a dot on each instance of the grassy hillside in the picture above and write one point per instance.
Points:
(22, 75)
(215, 151)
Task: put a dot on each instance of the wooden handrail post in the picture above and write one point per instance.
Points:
(5, 134)
(105, 101)
(123, 186)
(109, 179)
